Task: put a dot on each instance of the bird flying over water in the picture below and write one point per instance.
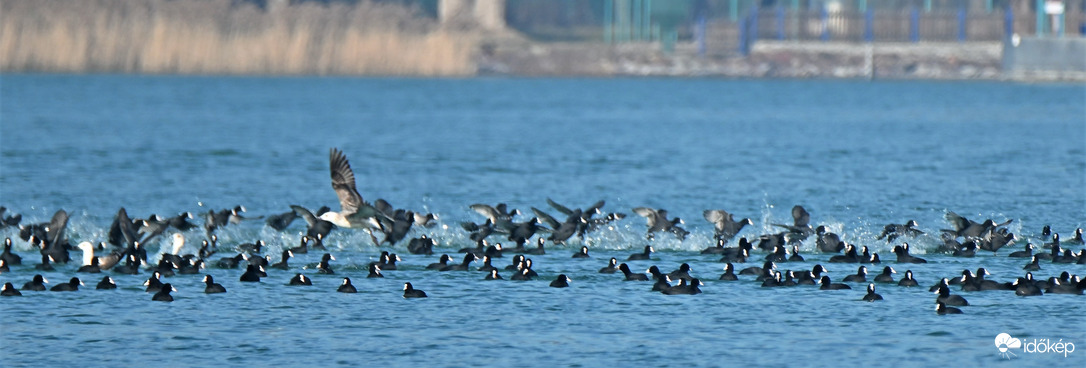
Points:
(724, 225)
(354, 211)
(801, 224)
(657, 221)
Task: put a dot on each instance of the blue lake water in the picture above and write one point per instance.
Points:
(857, 155)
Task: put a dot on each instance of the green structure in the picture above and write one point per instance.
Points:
(644, 20)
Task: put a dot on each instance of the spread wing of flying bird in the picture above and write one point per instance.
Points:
(650, 215)
(801, 220)
(343, 183)
(547, 218)
(563, 209)
(55, 231)
(316, 226)
(121, 233)
(724, 225)
(801, 217)
(354, 211)
(502, 221)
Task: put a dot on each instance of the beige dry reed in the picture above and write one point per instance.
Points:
(225, 37)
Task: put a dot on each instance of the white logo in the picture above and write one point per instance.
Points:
(1005, 343)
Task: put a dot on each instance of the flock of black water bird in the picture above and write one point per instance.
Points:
(124, 252)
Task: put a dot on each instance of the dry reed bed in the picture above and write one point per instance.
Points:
(218, 37)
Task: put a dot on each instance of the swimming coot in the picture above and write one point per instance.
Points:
(493, 275)
(9, 290)
(106, 284)
(827, 285)
(164, 294)
(945, 297)
(374, 272)
(943, 309)
(210, 287)
(871, 295)
(410, 291)
(72, 285)
(300, 280)
(251, 274)
(581, 254)
(886, 277)
(643, 255)
(630, 276)
(860, 276)
(908, 280)
(729, 273)
(324, 267)
(346, 286)
(612, 266)
(560, 282)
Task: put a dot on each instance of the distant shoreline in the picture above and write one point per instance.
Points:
(217, 37)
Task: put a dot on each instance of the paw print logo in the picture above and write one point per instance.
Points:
(1004, 342)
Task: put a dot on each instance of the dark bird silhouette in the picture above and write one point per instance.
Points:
(583, 253)
(463, 265)
(498, 216)
(945, 297)
(560, 282)
(9, 290)
(9, 221)
(893, 231)
(316, 225)
(657, 221)
(800, 228)
(560, 231)
(252, 274)
(886, 277)
(441, 263)
(941, 309)
(827, 285)
(72, 285)
(903, 256)
(871, 294)
(643, 255)
(409, 291)
(282, 264)
(521, 232)
(211, 287)
(300, 280)
(421, 245)
(724, 225)
(164, 294)
(325, 266)
(281, 221)
(967, 228)
(37, 283)
(11, 258)
(612, 266)
(684, 288)
(828, 242)
(106, 284)
(346, 286)
(630, 276)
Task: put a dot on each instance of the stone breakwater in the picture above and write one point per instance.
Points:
(767, 59)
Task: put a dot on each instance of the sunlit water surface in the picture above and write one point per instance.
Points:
(857, 155)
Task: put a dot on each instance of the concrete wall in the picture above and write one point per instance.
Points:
(1045, 57)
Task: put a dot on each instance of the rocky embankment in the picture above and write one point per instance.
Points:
(767, 59)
